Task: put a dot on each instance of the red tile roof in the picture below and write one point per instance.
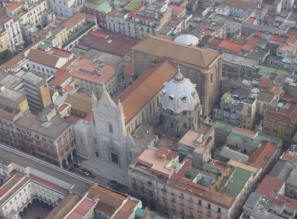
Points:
(126, 210)
(177, 9)
(270, 186)
(145, 88)
(116, 44)
(74, 20)
(86, 69)
(292, 31)
(14, 5)
(287, 115)
(61, 76)
(81, 209)
(41, 57)
(261, 155)
(278, 39)
(229, 45)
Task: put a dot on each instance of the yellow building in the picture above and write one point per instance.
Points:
(4, 41)
(281, 124)
(78, 25)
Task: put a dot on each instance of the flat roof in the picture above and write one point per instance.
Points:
(30, 77)
(54, 128)
(236, 181)
(238, 60)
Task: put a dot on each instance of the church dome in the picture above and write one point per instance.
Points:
(179, 94)
(187, 39)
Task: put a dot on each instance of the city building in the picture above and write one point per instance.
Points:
(92, 75)
(36, 91)
(238, 108)
(281, 123)
(66, 8)
(178, 189)
(13, 29)
(46, 63)
(25, 187)
(47, 136)
(203, 67)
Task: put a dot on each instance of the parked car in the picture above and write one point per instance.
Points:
(117, 186)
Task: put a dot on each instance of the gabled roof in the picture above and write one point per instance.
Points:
(72, 21)
(164, 47)
(41, 57)
(270, 186)
(288, 115)
(145, 88)
(261, 155)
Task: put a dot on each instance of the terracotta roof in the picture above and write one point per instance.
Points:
(63, 207)
(126, 210)
(4, 19)
(60, 78)
(270, 186)
(60, 52)
(86, 69)
(288, 115)
(82, 209)
(292, 31)
(145, 88)
(80, 102)
(13, 61)
(109, 201)
(229, 45)
(116, 44)
(72, 21)
(164, 47)
(261, 155)
(41, 57)
(14, 5)
(177, 9)
(241, 4)
(278, 39)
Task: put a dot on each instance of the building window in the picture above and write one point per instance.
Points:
(199, 202)
(110, 128)
(114, 158)
(97, 154)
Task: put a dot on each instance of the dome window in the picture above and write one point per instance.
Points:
(171, 97)
(184, 98)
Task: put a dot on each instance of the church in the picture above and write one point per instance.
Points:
(161, 97)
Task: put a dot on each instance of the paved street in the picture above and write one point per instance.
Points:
(80, 183)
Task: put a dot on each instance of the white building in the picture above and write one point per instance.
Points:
(26, 185)
(66, 8)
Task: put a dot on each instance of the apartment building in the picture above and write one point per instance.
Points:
(238, 108)
(13, 105)
(178, 189)
(281, 122)
(13, 29)
(4, 40)
(67, 33)
(36, 90)
(64, 8)
(46, 63)
(91, 76)
(139, 22)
